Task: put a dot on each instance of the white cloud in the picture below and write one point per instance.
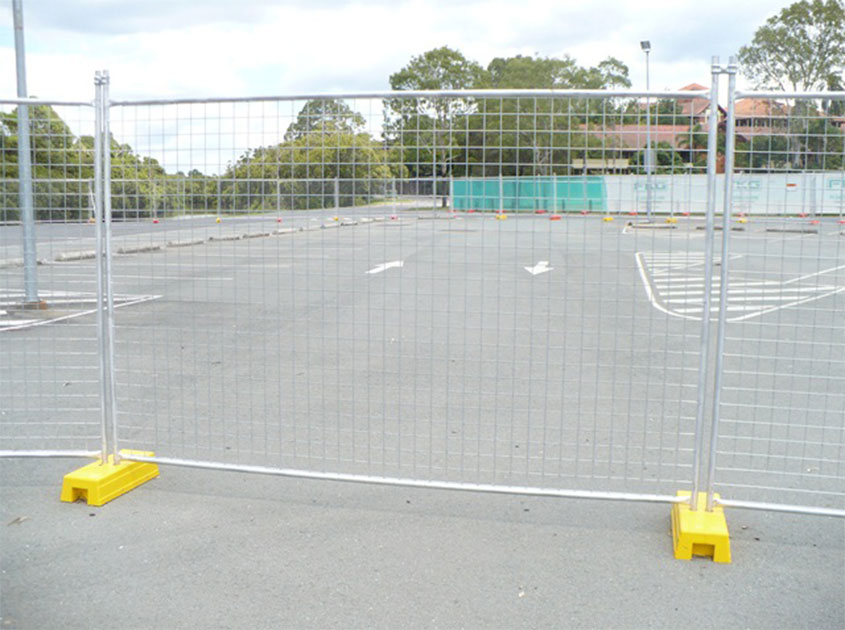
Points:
(193, 48)
(161, 49)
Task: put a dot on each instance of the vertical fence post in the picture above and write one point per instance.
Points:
(730, 144)
(105, 299)
(107, 283)
(98, 217)
(712, 146)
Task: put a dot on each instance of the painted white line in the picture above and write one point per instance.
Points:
(736, 293)
(70, 300)
(796, 303)
(716, 282)
(685, 287)
(650, 293)
(817, 273)
(541, 267)
(784, 297)
(15, 323)
(747, 299)
(762, 300)
(387, 265)
(715, 309)
(22, 324)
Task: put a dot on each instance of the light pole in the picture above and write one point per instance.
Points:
(649, 158)
(27, 213)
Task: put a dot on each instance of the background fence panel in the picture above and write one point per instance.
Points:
(782, 430)
(49, 367)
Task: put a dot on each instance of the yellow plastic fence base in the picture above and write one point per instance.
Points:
(100, 482)
(699, 532)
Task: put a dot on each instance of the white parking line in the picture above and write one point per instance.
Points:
(20, 324)
(387, 265)
(672, 290)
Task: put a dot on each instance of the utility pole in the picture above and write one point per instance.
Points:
(649, 156)
(30, 260)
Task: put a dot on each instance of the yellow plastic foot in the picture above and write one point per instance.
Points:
(671, 219)
(501, 216)
(100, 482)
(607, 219)
(700, 533)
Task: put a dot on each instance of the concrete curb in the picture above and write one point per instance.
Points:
(10, 263)
(138, 249)
(75, 255)
(226, 237)
(186, 243)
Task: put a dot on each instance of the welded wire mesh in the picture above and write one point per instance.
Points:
(782, 429)
(49, 367)
(415, 286)
(429, 286)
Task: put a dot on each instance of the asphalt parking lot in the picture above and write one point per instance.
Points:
(436, 347)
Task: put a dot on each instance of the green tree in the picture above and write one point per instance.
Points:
(326, 115)
(800, 48)
(814, 142)
(62, 167)
(763, 153)
(301, 173)
(694, 142)
(541, 135)
(667, 160)
(431, 131)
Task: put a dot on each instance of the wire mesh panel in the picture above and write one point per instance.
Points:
(49, 367)
(415, 286)
(781, 436)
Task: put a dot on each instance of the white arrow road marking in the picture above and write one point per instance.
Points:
(541, 267)
(387, 265)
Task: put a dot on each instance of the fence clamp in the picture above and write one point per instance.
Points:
(102, 481)
(699, 532)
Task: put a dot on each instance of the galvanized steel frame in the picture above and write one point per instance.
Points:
(702, 463)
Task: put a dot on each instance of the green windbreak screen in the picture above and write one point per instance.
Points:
(526, 194)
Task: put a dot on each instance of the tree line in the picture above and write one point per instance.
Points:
(329, 157)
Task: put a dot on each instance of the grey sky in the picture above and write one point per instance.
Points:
(219, 47)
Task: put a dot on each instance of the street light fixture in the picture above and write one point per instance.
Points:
(649, 158)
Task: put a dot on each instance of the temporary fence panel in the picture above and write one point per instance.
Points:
(374, 333)
(781, 413)
(454, 289)
(49, 362)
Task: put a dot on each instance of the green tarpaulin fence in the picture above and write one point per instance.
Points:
(528, 194)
